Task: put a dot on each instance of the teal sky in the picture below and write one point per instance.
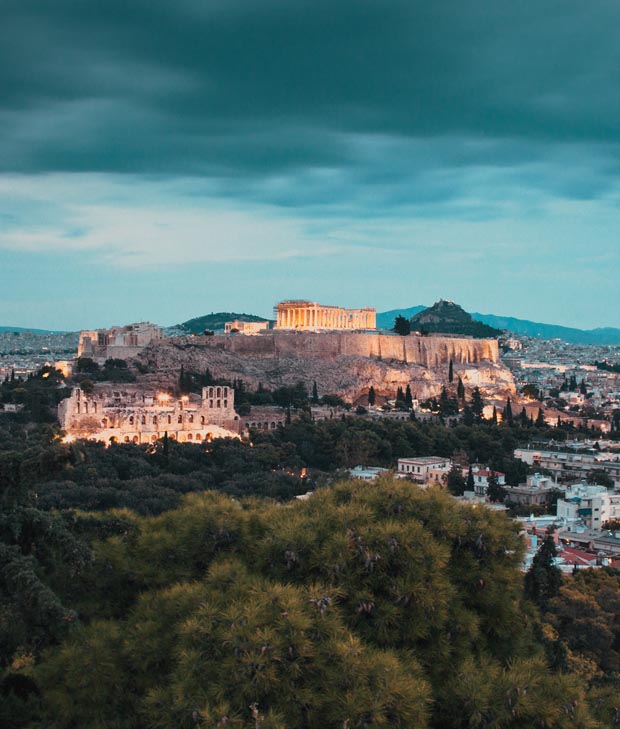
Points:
(164, 160)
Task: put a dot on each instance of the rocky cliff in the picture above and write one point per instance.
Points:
(344, 363)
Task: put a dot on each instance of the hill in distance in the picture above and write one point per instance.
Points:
(539, 330)
(215, 321)
(22, 330)
(446, 317)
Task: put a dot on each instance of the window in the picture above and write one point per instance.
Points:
(144, 420)
(155, 420)
(131, 420)
(180, 419)
(191, 418)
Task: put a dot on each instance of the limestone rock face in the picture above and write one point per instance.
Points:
(342, 363)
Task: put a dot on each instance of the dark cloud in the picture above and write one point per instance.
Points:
(386, 95)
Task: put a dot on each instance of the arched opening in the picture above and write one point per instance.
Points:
(144, 420)
(126, 439)
(131, 420)
(135, 439)
(202, 419)
(169, 419)
(155, 420)
(180, 419)
(191, 418)
(153, 438)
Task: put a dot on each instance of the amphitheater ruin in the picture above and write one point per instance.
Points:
(136, 416)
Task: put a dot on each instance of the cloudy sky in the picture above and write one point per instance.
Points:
(161, 160)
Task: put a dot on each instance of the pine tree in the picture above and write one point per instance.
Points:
(450, 372)
(402, 326)
(371, 396)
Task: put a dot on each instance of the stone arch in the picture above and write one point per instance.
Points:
(135, 439)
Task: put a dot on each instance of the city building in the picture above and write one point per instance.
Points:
(481, 478)
(311, 316)
(591, 504)
(424, 469)
(135, 416)
(537, 491)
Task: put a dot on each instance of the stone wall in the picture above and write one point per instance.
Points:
(342, 363)
(431, 351)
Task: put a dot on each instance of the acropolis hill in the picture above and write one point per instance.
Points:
(341, 362)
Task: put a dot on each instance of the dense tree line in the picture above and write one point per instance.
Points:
(368, 605)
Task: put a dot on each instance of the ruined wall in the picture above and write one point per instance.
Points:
(430, 352)
(342, 363)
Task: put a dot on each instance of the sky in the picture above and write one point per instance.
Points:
(163, 160)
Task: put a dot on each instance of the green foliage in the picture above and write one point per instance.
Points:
(445, 317)
(600, 477)
(402, 326)
(544, 579)
(311, 613)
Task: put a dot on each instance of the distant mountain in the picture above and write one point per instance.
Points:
(32, 331)
(603, 335)
(216, 321)
(385, 319)
(446, 317)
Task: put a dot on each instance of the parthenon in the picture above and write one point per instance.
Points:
(310, 316)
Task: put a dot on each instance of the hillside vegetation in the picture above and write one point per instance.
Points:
(216, 321)
(445, 317)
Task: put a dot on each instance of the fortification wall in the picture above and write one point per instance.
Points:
(430, 351)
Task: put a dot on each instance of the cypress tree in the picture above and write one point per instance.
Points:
(460, 390)
(508, 412)
(470, 479)
(477, 405)
(543, 580)
(315, 393)
(408, 397)
(451, 372)
(371, 396)
(494, 416)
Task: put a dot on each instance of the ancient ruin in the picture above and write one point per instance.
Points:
(112, 414)
(310, 316)
(118, 342)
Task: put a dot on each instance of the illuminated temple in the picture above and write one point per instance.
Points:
(310, 316)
